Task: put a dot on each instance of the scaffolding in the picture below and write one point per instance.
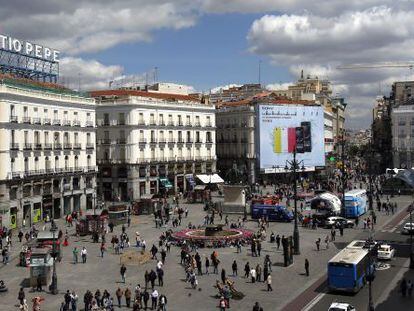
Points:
(28, 67)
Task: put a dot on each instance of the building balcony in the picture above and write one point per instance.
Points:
(37, 121)
(161, 123)
(121, 141)
(90, 146)
(121, 122)
(77, 169)
(105, 141)
(89, 123)
(47, 146)
(180, 141)
(67, 123)
(37, 146)
(91, 168)
(27, 146)
(188, 124)
(105, 123)
(153, 123)
(197, 124)
(56, 122)
(77, 146)
(67, 146)
(15, 175)
(162, 141)
(141, 122)
(50, 171)
(14, 146)
(76, 123)
(210, 142)
(180, 123)
(171, 143)
(14, 119)
(189, 142)
(208, 124)
(170, 123)
(142, 141)
(57, 146)
(26, 120)
(153, 142)
(198, 142)
(46, 121)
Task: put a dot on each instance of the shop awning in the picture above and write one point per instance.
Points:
(210, 179)
(166, 183)
(200, 187)
(190, 179)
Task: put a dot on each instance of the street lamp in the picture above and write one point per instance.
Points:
(343, 173)
(294, 166)
(370, 277)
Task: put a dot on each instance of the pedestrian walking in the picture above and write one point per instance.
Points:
(102, 248)
(123, 273)
(145, 297)
(84, 254)
(154, 299)
(75, 255)
(278, 241)
(246, 270)
(234, 268)
(307, 267)
(74, 301)
(223, 276)
(128, 294)
(318, 243)
(327, 242)
(119, 293)
(269, 283)
(163, 303)
(253, 275)
(21, 296)
(259, 273)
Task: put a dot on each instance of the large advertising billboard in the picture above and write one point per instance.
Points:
(286, 128)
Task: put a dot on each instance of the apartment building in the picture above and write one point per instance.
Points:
(402, 122)
(47, 152)
(151, 142)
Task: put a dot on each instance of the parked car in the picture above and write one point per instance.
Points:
(335, 221)
(341, 306)
(408, 228)
(385, 252)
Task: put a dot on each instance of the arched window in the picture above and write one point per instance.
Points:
(89, 162)
(47, 164)
(66, 162)
(76, 162)
(56, 162)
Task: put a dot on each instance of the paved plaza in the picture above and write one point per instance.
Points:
(103, 273)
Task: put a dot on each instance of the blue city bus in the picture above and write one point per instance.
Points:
(271, 212)
(355, 203)
(349, 270)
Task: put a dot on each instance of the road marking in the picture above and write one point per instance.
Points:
(399, 224)
(313, 302)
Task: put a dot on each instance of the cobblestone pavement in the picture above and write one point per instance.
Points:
(103, 273)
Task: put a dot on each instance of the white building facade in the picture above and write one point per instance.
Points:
(402, 120)
(47, 153)
(152, 143)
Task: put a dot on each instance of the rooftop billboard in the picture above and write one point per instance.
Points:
(286, 128)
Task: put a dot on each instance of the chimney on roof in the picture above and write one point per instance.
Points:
(301, 74)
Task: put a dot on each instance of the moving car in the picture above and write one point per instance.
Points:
(341, 306)
(385, 252)
(408, 228)
(335, 221)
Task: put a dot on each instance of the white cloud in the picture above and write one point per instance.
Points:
(278, 86)
(90, 26)
(220, 88)
(90, 73)
(318, 44)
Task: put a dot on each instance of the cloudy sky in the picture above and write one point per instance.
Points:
(211, 43)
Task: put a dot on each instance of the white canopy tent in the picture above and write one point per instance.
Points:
(210, 179)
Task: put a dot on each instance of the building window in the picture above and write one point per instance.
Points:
(12, 165)
(121, 118)
(25, 112)
(152, 153)
(12, 111)
(208, 137)
(152, 119)
(106, 119)
(89, 161)
(88, 138)
(197, 121)
(141, 118)
(26, 164)
(47, 164)
(188, 120)
(197, 138)
(56, 162)
(161, 116)
(66, 162)
(170, 136)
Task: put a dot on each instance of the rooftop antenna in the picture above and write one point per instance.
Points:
(79, 81)
(155, 74)
(260, 65)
